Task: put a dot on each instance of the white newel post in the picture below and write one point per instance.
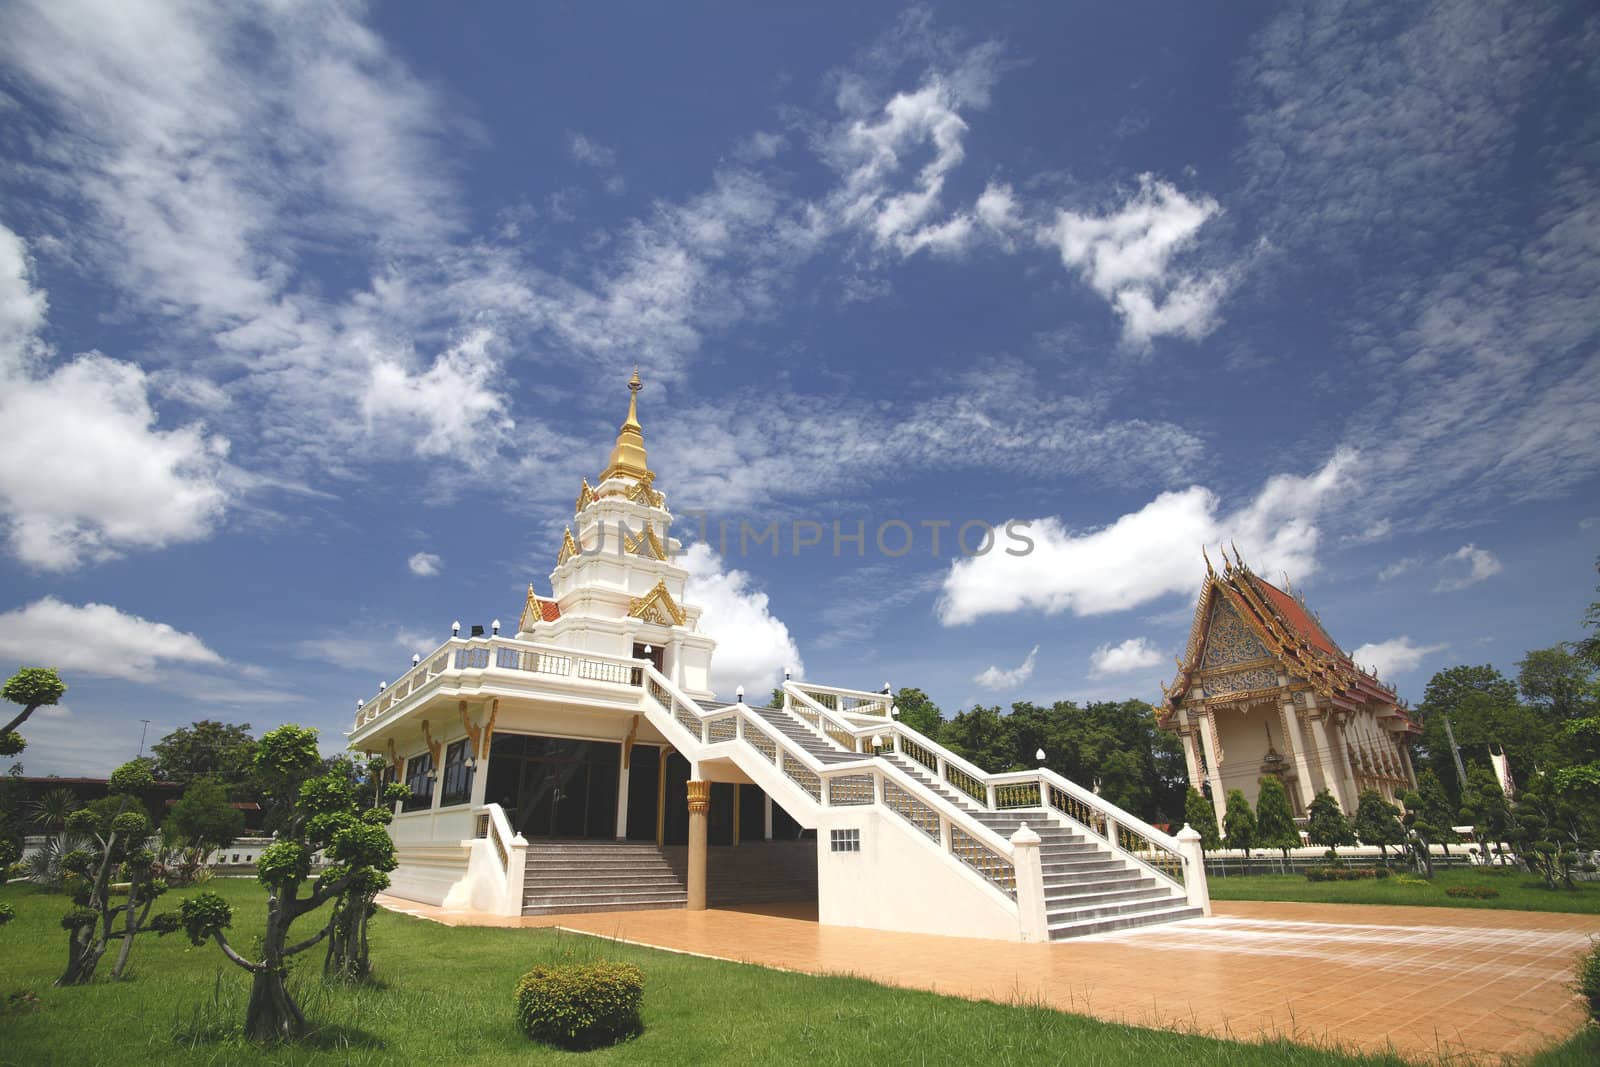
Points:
(516, 872)
(1194, 868)
(1031, 915)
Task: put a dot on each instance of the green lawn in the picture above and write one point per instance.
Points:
(446, 996)
(1519, 891)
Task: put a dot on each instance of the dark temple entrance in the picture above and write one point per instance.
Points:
(555, 787)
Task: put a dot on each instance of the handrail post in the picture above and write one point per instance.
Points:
(1194, 869)
(989, 795)
(1031, 915)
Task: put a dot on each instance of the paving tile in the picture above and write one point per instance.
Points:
(1428, 983)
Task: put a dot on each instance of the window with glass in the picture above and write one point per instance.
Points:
(419, 779)
(457, 775)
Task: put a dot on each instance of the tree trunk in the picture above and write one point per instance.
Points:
(272, 1014)
(83, 956)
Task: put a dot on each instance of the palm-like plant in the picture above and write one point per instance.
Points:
(49, 813)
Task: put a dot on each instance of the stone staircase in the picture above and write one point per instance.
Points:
(797, 730)
(575, 876)
(1088, 889)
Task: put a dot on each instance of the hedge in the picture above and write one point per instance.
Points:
(581, 1005)
(1345, 874)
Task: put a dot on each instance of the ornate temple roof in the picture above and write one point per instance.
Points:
(1288, 632)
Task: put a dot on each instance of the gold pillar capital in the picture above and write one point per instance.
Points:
(699, 797)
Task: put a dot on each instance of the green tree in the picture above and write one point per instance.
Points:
(1558, 683)
(119, 830)
(1239, 824)
(1202, 818)
(209, 749)
(1552, 829)
(202, 821)
(982, 736)
(1419, 833)
(1435, 811)
(1378, 823)
(919, 712)
(1275, 826)
(1484, 805)
(1327, 825)
(1484, 711)
(33, 688)
(321, 811)
(1588, 649)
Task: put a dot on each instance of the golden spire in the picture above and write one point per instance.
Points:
(627, 455)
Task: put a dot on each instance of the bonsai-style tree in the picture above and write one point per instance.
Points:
(1327, 825)
(1434, 811)
(33, 688)
(1419, 832)
(119, 830)
(348, 956)
(201, 822)
(1202, 817)
(1239, 825)
(1377, 823)
(1484, 805)
(1275, 826)
(319, 812)
(1553, 828)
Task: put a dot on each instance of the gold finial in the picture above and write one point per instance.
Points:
(628, 455)
(1207, 559)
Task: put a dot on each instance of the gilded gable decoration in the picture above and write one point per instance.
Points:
(585, 497)
(644, 492)
(1229, 640)
(569, 547)
(646, 543)
(657, 606)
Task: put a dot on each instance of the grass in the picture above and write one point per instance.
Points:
(1519, 891)
(446, 995)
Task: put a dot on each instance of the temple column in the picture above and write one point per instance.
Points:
(1302, 766)
(766, 814)
(1208, 741)
(699, 807)
(1191, 758)
(622, 793)
(1405, 761)
(1347, 775)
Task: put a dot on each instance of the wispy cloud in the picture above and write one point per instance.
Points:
(1466, 566)
(1134, 654)
(1394, 656)
(997, 678)
(96, 639)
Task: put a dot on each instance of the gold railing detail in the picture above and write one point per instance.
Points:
(847, 789)
(1136, 844)
(762, 744)
(911, 809)
(803, 776)
(1077, 810)
(966, 783)
(919, 754)
(723, 729)
(983, 859)
(1017, 795)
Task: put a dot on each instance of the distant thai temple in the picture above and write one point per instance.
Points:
(584, 764)
(1263, 690)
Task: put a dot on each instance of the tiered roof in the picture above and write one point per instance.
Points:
(1291, 634)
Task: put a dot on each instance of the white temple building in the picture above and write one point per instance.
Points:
(583, 764)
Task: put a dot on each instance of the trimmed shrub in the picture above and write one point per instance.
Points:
(1588, 984)
(1345, 874)
(581, 1005)
(1472, 892)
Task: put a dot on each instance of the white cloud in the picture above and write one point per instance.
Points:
(62, 742)
(1145, 554)
(1466, 566)
(1126, 256)
(450, 409)
(1394, 656)
(85, 471)
(753, 645)
(424, 564)
(587, 150)
(996, 678)
(1399, 567)
(95, 639)
(1134, 654)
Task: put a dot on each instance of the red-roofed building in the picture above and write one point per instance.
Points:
(1262, 689)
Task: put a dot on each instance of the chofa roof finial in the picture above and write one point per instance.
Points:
(1207, 558)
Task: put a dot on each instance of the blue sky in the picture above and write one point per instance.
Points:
(312, 318)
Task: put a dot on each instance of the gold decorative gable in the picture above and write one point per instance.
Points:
(569, 547)
(1229, 640)
(644, 493)
(647, 543)
(657, 606)
(585, 497)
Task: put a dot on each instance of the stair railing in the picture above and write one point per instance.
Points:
(1124, 832)
(510, 851)
(858, 782)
